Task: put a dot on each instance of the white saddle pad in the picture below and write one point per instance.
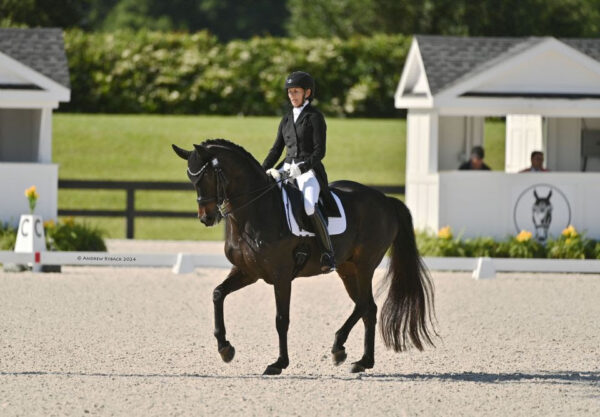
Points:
(336, 226)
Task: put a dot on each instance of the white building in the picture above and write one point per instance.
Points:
(549, 91)
(34, 78)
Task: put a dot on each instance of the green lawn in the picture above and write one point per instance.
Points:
(138, 148)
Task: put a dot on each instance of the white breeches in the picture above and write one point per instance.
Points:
(309, 186)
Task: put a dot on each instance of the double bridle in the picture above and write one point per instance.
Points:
(222, 200)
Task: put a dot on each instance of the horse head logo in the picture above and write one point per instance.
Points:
(542, 215)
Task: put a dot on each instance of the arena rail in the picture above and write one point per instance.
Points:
(181, 263)
(130, 213)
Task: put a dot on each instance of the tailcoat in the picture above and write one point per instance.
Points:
(304, 141)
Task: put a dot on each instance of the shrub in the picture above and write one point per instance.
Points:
(523, 246)
(70, 236)
(8, 237)
(485, 246)
(571, 245)
(444, 244)
(153, 72)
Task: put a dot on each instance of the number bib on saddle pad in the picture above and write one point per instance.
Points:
(297, 220)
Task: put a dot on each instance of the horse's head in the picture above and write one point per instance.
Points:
(219, 171)
(542, 215)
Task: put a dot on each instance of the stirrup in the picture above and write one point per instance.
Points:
(327, 262)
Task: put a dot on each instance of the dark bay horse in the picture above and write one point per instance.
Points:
(231, 184)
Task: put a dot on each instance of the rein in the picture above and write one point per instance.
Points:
(223, 201)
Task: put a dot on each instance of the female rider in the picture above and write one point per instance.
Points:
(302, 132)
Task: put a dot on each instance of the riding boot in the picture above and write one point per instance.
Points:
(320, 226)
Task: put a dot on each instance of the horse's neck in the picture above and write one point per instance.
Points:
(255, 203)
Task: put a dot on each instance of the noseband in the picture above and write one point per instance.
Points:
(222, 200)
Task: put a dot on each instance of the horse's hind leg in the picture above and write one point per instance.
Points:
(234, 281)
(369, 316)
(348, 274)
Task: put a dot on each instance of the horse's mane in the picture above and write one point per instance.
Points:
(224, 143)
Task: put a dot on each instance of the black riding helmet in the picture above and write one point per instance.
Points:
(301, 79)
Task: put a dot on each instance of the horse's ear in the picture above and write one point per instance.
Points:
(549, 195)
(204, 153)
(182, 153)
(535, 195)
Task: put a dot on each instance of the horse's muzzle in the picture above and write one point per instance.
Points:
(205, 218)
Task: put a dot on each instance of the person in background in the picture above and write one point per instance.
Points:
(475, 162)
(537, 163)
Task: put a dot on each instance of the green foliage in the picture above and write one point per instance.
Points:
(175, 73)
(44, 13)
(8, 237)
(346, 18)
(575, 246)
(525, 248)
(485, 246)
(70, 236)
(431, 245)
(521, 246)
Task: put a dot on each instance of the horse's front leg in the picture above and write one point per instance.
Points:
(234, 281)
(282, 322)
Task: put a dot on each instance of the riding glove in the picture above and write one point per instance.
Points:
(272, 172)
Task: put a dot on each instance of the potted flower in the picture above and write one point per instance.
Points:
(30, 237)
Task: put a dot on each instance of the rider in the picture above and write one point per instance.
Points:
(302, 131)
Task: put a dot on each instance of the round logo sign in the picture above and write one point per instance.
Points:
(542, 209)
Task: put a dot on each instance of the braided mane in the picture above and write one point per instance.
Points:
(224, 143)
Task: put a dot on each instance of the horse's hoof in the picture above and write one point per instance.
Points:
(339, 356)
(357, 367)
(272, 370)
(227, 353)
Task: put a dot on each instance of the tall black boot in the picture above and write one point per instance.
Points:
(327, 256)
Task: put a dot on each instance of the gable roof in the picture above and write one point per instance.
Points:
(450, 59)
(39, 49)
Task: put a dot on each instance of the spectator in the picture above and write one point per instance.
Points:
(537, 163)
(476, 160)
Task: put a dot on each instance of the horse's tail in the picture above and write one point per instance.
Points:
(408, 310)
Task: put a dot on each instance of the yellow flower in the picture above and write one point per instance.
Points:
(49, 224)
(32, 193)
(445, 233)
(523, 236)
(570, 232)
(68, 221)
(32, 196)
(568, 240)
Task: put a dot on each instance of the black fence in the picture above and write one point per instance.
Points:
(130, 213)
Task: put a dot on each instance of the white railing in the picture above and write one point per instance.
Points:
(187, 262)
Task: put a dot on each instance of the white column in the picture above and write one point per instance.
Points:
(524, 134)
(45, 138)
(421, 142)
(422, 193)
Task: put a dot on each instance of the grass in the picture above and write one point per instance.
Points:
(138, 148)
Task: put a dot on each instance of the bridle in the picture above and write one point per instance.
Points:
(222, 200)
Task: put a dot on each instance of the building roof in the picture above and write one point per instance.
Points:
(40, 49)
(450, 59)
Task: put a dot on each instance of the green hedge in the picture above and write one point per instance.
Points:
(174, 73)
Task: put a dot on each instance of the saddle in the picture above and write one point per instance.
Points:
(297, 219)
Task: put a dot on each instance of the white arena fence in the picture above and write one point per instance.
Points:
(186, 262)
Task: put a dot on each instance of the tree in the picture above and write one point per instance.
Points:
(44, 13)
(345, 18)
